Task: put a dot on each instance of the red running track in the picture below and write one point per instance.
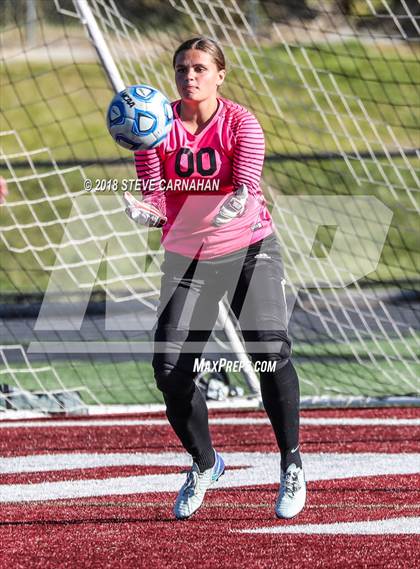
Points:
(84, 495)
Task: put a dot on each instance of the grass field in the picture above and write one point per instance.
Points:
(132, 383)
(323, 368)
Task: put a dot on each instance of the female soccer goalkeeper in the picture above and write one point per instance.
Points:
(218, 238)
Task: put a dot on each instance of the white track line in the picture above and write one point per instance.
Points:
(371, 527)
(320, 421)
(254, 469)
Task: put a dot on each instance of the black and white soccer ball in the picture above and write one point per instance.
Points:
(139, 117)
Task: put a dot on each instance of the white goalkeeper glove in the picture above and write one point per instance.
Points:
(233, 206)
(143, 212)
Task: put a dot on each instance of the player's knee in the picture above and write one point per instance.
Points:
(280, 357)
(274, 349)
(171, 380)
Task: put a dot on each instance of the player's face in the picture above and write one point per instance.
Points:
(197, 76)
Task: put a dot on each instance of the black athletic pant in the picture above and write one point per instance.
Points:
(190, 292)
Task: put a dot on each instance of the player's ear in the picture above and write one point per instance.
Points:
(221, 77)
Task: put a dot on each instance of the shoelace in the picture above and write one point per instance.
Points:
(291, 484)
(190, 483)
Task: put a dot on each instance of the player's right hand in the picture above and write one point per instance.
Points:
(143, 212)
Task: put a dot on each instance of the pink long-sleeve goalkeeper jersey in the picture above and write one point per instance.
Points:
(188, 176)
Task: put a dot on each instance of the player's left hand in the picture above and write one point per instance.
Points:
(232, 207)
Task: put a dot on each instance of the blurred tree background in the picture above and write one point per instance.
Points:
(133, 10)
(161, 13)
(364, 14)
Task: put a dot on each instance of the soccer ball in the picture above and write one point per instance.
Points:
(139, 117)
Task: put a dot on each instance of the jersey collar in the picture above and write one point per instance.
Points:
(208, 125)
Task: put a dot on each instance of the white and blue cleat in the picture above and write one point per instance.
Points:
(292, 495)
(192, 492)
